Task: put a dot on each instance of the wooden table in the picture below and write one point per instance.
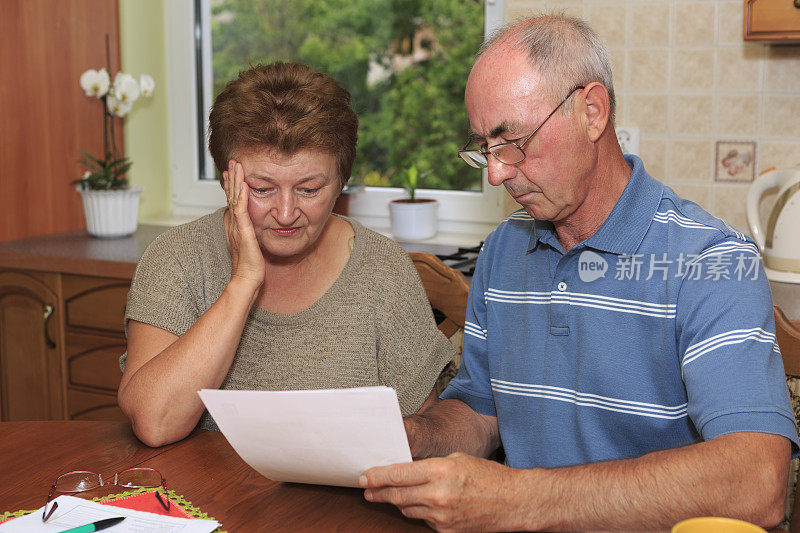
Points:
(203, 468)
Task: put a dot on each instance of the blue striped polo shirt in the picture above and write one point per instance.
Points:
(655, 332)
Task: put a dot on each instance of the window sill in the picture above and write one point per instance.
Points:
(169, 220)
(469, 238)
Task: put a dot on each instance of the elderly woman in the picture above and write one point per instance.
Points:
(273, 292)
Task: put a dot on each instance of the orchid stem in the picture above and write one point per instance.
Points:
(112, 154)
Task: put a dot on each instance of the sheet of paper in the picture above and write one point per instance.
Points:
(325, 437)
(74, 512)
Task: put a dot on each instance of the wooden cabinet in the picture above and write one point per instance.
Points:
(61, 336)
(31, 346)
(62, 306)
(94, 310)
(772, 20)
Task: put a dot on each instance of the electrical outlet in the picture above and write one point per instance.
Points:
(629, 139)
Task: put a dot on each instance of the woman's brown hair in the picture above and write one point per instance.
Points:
(284, 106)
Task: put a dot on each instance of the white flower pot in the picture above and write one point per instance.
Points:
(413, 221)
(111, 213)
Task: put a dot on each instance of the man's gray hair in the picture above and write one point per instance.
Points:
(564, 50)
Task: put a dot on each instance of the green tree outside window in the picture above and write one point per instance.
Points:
(405, 62)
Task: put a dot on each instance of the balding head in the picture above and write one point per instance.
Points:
(564, 51)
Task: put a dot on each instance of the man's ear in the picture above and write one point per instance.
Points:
(598, 108)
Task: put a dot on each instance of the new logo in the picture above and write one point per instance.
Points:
(591, 266)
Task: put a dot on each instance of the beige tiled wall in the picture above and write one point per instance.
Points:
(686, 78)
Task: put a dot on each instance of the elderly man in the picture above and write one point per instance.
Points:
(619, 339)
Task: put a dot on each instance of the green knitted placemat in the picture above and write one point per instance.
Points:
(13, 514)
(174, 497)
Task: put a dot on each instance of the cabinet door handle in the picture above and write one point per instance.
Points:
(48, 312)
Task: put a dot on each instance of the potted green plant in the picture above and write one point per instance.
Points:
(413, 218)
(110, 204)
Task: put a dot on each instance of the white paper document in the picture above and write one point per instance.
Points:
(74, 512)
(325, 437)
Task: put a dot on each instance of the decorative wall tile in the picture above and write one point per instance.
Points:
(617, 56)
(649, 24)
(654, 156)
(739, 67)
(735, 161)
(608, 20)
(693, 69)
(691, 160)
(730, 204)
(649, 113)
(731, 21)
(778, 154)
(781, 116)
(782, 69)
(737, 115)
(692, 115)
(694, 24)
(648, 70)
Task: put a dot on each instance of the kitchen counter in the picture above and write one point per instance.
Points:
(76, 252)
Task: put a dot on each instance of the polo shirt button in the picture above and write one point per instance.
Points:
(562, 286)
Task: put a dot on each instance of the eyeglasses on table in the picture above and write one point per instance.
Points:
(84, 480)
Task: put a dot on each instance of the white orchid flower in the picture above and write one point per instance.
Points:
(95, 83)
(146, 84)
(118, 107)
(126, 88)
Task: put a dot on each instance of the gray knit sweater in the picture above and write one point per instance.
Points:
(374, 326)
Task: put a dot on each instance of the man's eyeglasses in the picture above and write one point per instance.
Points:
(82, 481)
(509, 152)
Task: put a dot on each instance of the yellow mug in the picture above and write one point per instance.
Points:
(713, 524)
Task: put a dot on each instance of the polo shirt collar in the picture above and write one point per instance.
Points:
(543, 232)
(624, 229)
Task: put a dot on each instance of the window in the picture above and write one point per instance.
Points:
(379, 57)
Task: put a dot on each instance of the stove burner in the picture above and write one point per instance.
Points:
(462, 259)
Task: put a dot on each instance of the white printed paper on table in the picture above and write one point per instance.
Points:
(325, 437)
(74, 512)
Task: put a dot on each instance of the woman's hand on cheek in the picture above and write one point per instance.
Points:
(246, 258)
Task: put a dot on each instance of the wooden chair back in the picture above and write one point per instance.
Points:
(788, 335)
(447, 290)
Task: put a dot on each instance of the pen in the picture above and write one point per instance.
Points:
(95, 526)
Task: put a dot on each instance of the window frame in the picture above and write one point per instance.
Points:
(459, 211)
